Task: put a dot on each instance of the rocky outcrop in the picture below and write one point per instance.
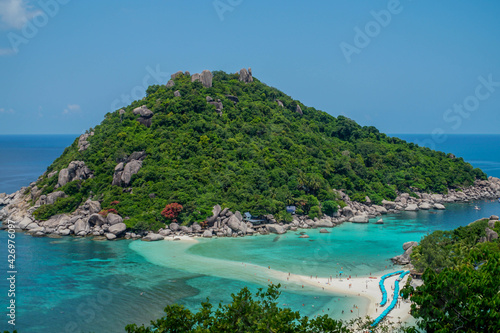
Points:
(359, 219)
(404, 259)
(236, 225)
(490, 235)
(125, 170)
(388, 204)
(97, 220)
(299, 110)
(83, 144)
(439, 206)
(76, 170)
(117, 229)
(177, 93)
(205, 78)
(152, 237)
(324, 223)
(113, 219)
(51, 198)
(81, 227)
(246, 75)
(411, 208)
(110, 236)
(143, 111)
(218, 106)
(173, 76)
(170, 83)
(144, 114)
(424, 206)
(280, 103)
(232, 98)
(275, 229)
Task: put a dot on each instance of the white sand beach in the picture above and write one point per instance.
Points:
(176, 255)
(367, 287)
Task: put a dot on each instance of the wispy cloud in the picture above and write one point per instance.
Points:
(5, 52)
(72, 109)
(4, 111)
(14, 14)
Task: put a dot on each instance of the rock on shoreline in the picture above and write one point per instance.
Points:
(85, 221)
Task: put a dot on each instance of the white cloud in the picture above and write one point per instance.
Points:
(4, 52)
(3, 111)
(14, 14)
(72, 109)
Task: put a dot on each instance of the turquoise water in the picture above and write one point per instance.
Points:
(78, 285)
(325, 254)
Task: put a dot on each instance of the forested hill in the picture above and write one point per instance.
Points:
(234, 141)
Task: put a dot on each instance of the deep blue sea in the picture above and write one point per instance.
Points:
(78, 285)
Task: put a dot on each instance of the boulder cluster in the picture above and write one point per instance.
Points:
(76, 170)
(127, 168)
(404, 259)
(490, 234)
(83, 144)
(144, 114)
(362, 212)
(205, 78)
(246, 75)
(218, 104)
(86, 221)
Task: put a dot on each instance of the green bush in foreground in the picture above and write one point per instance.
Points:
(461, 285)
(251, 314)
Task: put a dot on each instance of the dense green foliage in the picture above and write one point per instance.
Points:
(248, 314)
(461, 290)
(443, 249)
(256, 157)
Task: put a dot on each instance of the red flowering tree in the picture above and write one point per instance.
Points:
(171, 211)
(105, 212)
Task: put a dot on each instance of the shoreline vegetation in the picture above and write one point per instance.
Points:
(86, 220)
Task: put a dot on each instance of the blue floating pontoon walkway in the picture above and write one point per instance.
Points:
(384, 294)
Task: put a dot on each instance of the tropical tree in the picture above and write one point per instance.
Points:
(172, 211)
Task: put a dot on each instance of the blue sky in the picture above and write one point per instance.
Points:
(402, 66)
